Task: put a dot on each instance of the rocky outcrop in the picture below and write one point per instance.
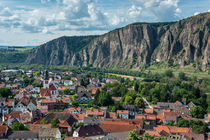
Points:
(134, 46)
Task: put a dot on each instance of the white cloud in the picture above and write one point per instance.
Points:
(209, 10)
(84, 15)
(6, 12)
(45, 1)
(134, 11)
(162, 10)
(79, 17)
(196, 13)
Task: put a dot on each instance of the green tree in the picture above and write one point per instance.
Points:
(169, 73)
(5, 92)
(67, 77)
(26, 81)
(18, 127)
(44, 121)
(36, 84)
(198, 112)
(66, 91)
(84, 82)
(182, 76)
(122, 80)
(74, 100)
(198, 127)
(104, 99)
(55, 122)
(37, 74)
(133, 135)
(128, 100)
(136, 86)
(139, 102)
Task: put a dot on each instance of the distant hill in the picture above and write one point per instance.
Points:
(5, 47)
(135, 46)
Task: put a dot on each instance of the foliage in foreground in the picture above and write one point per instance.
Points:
(18, 127)
(134, 136)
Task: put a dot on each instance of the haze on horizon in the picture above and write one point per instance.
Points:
(33, 22)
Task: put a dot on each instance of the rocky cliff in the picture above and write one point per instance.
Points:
(135, 46)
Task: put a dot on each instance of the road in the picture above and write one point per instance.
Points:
(147, 103)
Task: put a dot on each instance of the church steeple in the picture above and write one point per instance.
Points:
(46, 80)
(46, 75)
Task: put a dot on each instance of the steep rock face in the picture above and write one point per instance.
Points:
(59, 51)
(134, 46)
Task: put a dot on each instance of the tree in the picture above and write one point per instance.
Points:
(97, 96)
(136, 86)
(66, 91)
(104, 99)
(182, 76)
(133, 135)
(198, 127)
(122, 80)
(169, 73)
(44, 121)
(128, 100)
(37, 84)
(18, 127)
(67, 77)
(139, 102)
(5, 92)
(74, 100)
(37, 74)
(26, 81)
(183, 123)
(55, 122)
(198, 112)
(80, 124)
(84, 82)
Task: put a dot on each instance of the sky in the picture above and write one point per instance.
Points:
(34, 22)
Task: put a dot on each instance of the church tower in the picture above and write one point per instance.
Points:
(46, 80)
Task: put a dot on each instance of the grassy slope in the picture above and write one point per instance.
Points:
(189, 70)
(13, 57)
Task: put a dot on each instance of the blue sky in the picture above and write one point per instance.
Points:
(33, 22)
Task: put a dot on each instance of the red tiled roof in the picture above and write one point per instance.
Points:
(63, 123)
(111, 115)
(120, 126)
(78, 116)
(171, 129)
(45, 92)
(13, 114)
(34, 127)
(95, 112)
(149, 117)
(149, 110)
(2, 85)
(73, 109)
(152, 133)
(61, 88)
(3, 129)
(49, 101)
(9, 102)
(12, 85)
(52, 87)
(122, 112)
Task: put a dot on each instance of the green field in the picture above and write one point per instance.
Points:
(189, 70)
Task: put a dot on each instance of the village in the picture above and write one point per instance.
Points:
(45, 105)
